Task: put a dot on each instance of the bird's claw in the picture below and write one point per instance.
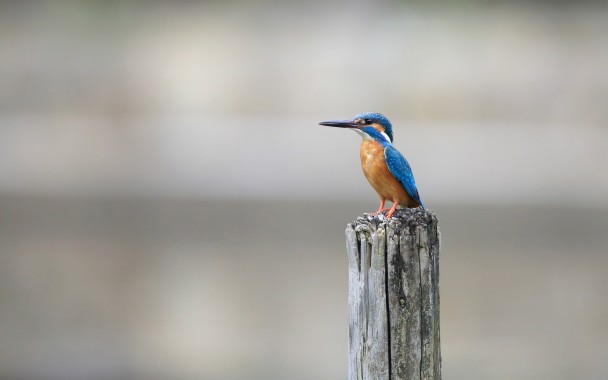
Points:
(380, 212)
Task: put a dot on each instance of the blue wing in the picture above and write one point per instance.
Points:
(399, 167)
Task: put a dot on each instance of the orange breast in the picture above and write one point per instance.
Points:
(378, 175)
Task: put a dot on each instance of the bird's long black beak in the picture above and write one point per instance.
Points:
(340, 124)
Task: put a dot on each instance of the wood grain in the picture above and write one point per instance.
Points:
(394, 297)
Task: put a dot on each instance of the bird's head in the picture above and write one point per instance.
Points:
(370, 125)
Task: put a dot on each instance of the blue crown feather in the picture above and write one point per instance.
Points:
(378, 118)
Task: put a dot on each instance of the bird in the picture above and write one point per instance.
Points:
(387, 171)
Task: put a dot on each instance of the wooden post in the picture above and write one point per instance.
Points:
(394, 297)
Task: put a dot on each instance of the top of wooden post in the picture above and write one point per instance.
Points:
(405, 217)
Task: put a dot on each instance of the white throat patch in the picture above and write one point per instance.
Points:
(368, 137)
(363, 134)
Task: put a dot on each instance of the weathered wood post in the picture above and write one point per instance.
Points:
(394, 297)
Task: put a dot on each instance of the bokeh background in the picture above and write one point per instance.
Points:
(169, 208)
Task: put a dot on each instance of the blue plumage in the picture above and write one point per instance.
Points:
(379, 118)
(397, 164)
(400, 168)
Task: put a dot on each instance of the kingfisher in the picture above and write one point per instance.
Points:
(385, 168)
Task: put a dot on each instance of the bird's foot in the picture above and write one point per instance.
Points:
(380, 211)
(391, 211)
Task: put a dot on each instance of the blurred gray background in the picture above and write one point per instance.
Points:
(169, 208)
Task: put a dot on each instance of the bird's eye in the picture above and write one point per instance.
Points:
(368, 121)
